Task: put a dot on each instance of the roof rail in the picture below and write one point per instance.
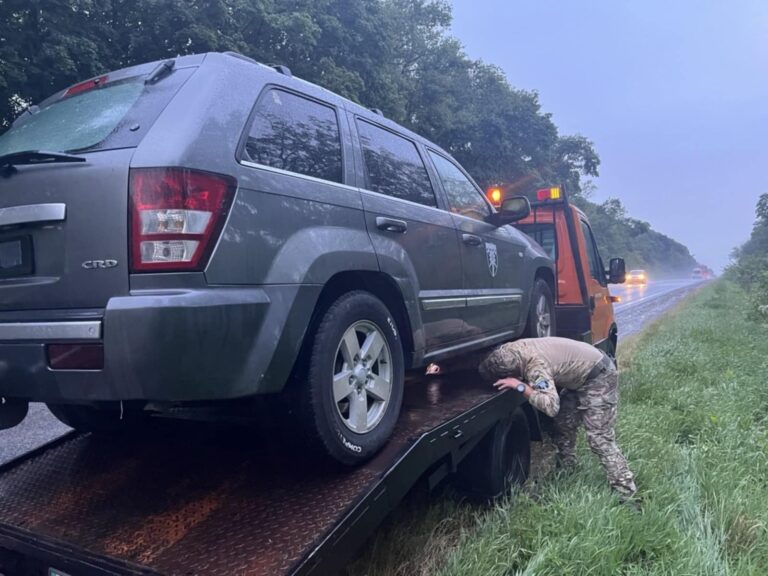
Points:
(241, 57)
(284, 70)
(377, 111)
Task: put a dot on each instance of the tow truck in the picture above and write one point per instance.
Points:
(199, 497)
(583, 303)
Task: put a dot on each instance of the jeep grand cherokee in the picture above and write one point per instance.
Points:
(209, 228)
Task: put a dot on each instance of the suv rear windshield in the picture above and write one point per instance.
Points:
(116, 115)
(74, 123)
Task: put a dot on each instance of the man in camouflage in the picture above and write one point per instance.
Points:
(589, 394)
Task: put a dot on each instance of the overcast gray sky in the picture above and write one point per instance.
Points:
(674, 94)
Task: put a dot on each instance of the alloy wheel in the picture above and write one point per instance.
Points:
(362, 377)
(543, 318)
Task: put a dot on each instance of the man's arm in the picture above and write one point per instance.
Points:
(543, 396)
(545, 400)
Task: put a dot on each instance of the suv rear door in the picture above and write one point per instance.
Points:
(492, 257)
(66, 227)
(409, 230)
(63, 224)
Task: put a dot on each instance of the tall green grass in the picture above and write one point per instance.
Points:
(693, 423)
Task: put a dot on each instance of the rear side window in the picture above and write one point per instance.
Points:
(296, 134)
(74, 123)
(463, 197)
(544, 234)
(393, 165)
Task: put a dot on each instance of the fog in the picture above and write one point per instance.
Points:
(673, 94)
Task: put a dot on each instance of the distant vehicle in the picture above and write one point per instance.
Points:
(209, 228)
(583, 303)
(637, 277)
(702, 273)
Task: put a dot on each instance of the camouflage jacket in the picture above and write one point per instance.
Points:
(545, 364)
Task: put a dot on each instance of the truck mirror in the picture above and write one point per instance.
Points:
(512, 209)
(617, 271)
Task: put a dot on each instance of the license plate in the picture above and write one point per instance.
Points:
(16, 257)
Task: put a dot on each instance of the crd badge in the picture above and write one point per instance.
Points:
(99, 264)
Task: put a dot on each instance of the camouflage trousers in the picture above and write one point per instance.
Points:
(594, 405)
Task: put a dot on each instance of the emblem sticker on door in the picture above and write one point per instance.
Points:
(493, 259)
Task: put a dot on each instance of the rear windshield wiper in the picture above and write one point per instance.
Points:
(37, 157)
(161, 71)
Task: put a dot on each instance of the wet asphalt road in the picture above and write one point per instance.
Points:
(639, 306)
(39, 427)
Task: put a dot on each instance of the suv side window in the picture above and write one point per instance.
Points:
(595, 265)
(295, 134)
(394, 166)
(463, 197)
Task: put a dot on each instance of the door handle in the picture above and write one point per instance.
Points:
(591, 303)
(471, 240)
(391, 225)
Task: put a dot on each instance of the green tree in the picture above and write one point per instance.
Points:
(396, 55)
(618, 235)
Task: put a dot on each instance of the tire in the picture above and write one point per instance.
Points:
(12, 412)
(541, 313)
(99, 419)
(612, 344)
(348, 405)
(501, 460)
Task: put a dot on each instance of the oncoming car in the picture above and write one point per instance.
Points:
(208, 228)
(637, 277)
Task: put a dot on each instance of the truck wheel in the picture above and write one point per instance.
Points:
(101, 419)
(354, 386)
(613, 339)
(541, 314)
(501, 459)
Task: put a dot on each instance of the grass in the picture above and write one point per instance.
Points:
(693, 423)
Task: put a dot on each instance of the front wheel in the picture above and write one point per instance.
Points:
(541, 313)
(353, 392)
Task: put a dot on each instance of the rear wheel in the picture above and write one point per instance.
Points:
(501, 460)
(107, 418)
(353, 392)
(541, 314)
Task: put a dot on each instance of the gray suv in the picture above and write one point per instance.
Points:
(208, 228)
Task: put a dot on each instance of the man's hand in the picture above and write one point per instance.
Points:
(512, 384)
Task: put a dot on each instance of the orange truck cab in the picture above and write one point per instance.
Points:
(583, 303)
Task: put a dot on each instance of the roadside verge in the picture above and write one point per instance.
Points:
(693, 423)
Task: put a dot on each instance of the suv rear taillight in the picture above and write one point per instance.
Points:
(176, 217)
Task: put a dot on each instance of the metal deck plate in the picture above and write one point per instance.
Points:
(189, 499)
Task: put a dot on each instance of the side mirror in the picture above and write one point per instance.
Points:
(512, 209)
(617, 271)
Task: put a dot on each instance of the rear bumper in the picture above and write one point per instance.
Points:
(176, 346)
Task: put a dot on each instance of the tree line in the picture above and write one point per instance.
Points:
(749, 265)
(395, 55)
(619, 235)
